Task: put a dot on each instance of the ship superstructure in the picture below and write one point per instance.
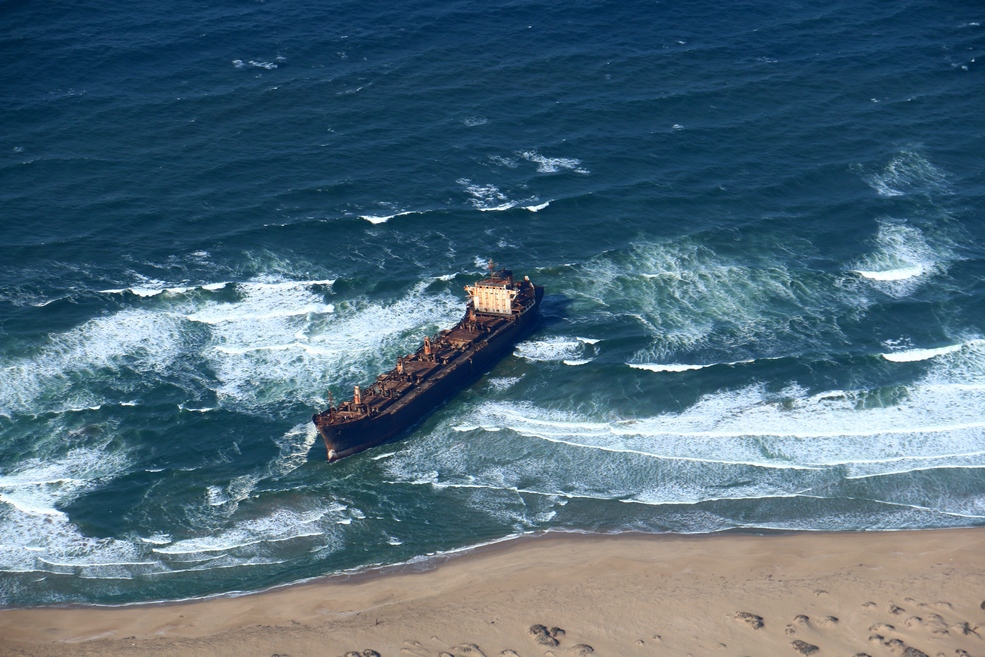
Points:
(499, 312)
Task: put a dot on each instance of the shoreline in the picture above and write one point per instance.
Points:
(429, 562)
(490, 595)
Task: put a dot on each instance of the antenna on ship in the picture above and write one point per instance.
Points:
(491, 266)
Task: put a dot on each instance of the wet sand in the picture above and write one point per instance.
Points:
(890, 594)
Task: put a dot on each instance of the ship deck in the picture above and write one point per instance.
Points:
(431, 363)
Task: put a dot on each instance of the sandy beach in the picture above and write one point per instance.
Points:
(892, 594)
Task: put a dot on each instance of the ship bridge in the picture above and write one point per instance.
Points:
(494, 295)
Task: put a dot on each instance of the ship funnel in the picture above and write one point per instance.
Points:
(357, 396)
(400, 365)
(427, 345)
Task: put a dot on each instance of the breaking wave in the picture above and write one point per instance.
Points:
(903, 259)
(489, 198)
(686, 298)
(756, 444)
(915, 355)
(558, 349)
(680, 367)
(908, 172)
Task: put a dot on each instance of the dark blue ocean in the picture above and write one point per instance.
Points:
(759, 224)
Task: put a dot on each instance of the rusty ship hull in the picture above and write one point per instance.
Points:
(439, 369)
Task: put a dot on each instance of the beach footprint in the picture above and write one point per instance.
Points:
(752, 620)
(803, 647)
(541, 635)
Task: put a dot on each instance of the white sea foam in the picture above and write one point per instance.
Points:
(553, 164)
(380, 219)
(913, 355)
(144, 341)
(553, 349)
(688, 298)
(26, 501)
(267, 347)
(665, 367)
(248, 537)
(294, 447)
(802, 431)
(238, 338)
(39, 536)
(907, 172)
(508, 162)
(903, 259)
(219, 314)
(157, 539)
(502, 382)
(272, 283)
(239, 63)
(489, 198)
(757, 444)
(151, 288)
(230, 495)
(899, 274)
(269, 317)
(53, 544)
(206, 409)
(680, 367)
(153, 292)
(486, 198)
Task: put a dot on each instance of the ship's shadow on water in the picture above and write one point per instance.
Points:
(554, 310)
